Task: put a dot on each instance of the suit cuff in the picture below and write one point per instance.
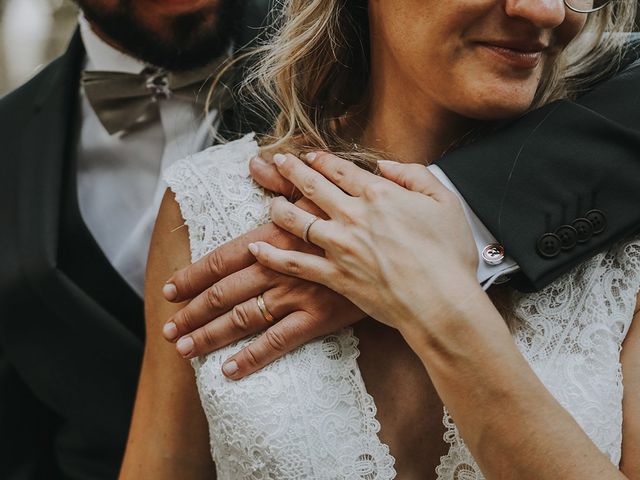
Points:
(492, 267)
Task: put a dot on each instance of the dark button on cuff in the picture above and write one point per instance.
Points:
(568, 236)
(549, 245)
(584, 229)
(598, 220)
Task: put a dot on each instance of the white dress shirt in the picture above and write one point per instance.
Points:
(487, 273)
(119, 176)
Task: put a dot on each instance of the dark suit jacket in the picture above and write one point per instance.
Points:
(70, 353)
(562, 182)
(71, 330)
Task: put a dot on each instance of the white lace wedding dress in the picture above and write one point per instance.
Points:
(309, 416)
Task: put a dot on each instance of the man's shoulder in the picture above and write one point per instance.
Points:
(27, 94)
(60, 73)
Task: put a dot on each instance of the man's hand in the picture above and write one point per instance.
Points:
(224, 286)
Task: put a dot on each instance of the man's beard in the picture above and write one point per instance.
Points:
(188, 41)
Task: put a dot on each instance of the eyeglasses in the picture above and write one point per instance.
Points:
(586, 6)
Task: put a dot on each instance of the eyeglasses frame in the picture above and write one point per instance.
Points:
(591, 10)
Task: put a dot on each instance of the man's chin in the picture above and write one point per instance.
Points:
(193, 35)
(171, 8)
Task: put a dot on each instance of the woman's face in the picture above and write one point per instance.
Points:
(481, 59)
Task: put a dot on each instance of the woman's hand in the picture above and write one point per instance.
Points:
(399, 247)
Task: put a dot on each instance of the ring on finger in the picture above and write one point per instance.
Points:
(307, 227)
(263, 309)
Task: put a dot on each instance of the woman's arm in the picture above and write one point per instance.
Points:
(405, 257)
(511, 423)
(169, 436)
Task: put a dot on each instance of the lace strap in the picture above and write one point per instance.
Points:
(209, 186)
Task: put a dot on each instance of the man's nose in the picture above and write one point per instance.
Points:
(541, 13)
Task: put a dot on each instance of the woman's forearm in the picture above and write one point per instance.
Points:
(511, 423)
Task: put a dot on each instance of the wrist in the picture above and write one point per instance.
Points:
(456, 321)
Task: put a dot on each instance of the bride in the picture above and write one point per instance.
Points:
(523, 386)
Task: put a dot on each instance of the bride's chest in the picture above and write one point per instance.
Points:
(309, 415)
(408, 407)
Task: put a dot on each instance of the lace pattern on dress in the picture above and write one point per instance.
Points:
(571, 334)
(307, 415)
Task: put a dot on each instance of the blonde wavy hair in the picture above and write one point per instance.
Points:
(313, 65)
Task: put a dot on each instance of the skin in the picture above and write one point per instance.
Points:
(179, 448)
(177, 35)
(455, 346)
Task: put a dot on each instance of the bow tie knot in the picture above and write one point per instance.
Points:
(126, 101)
(158, 85)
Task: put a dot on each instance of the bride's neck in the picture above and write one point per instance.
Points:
(409, 126)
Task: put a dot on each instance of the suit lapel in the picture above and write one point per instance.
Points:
(48, 145)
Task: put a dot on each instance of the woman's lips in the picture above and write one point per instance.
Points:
(516, 57)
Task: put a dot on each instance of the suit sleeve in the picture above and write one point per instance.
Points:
(562, 182)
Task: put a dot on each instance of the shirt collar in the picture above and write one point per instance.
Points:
(103, 57)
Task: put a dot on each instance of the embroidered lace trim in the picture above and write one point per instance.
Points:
(307, 415)
(571, 334)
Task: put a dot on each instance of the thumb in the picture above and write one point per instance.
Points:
(412, 176)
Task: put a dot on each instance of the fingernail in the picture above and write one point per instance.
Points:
(185, 346)
(230, 368)
(170, 291)
(170, 331)
(253, 248)
(279, 158)
(311, 156)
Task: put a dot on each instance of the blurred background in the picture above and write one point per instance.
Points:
(32, 32)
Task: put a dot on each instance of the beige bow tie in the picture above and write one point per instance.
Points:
(125, 101)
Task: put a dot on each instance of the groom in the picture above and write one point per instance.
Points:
(83, 145)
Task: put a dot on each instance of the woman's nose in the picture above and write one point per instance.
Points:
(541, 13)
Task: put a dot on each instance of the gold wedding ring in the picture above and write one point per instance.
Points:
(263, 309)
(307, 226)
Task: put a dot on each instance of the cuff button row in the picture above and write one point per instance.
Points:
(566, 237)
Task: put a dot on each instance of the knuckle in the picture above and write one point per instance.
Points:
(240, 318)
(184, 279)
(214, 297)
(250, 358)
(214, 263)
(338, 174)
(288, 218)
(203, 338)
(276, 340)
(292, 266)
(309, 185)
(376, 191)
(184, 321)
